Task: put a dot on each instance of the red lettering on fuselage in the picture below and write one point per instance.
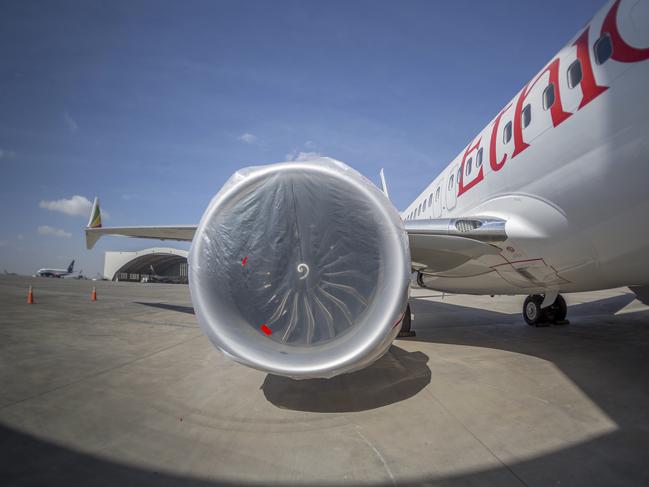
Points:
(480, 175)
(621, 52)
(557, 112)
(496, 166)
(589, 87)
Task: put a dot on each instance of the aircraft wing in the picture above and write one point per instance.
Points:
(436, 245)
(94, 230)
(176, 232)
(442, 244)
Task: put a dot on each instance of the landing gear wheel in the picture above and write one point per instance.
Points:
(556, 313)
(420, 279)
(405, 324)
(532, 312)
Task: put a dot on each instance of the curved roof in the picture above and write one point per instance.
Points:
(165, 261)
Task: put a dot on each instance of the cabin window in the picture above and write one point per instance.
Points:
(437, 193)
(469, 163)
(423, 205)
(574, 74)
(507, 132)
(548, 96)
(478, 158)
(603, 48)
(527, 115)
(450, 182)
(459, 174)
(430, 199)
(419, 209)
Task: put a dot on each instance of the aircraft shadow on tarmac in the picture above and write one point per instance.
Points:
(395, 377)
(598, 348)
(170, 307)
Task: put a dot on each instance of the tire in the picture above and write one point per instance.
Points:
(420, 280)
(532, 313)
(558, 310)
(407, 321)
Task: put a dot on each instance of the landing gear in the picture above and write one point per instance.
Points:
(405, 324)
(534, 315)
(556, 313)
(532, 312)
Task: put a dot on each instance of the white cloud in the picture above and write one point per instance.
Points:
(72, 125)
(55, 232)
(247, 138)
(75, 206)
(302, 156)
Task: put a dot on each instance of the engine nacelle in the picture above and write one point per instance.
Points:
(300, 269)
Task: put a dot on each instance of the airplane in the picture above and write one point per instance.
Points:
(154, 277)
(46, 272)
(303, 269)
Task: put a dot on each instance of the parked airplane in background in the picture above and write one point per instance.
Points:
(302, 269)
(154, 277)
(45, 272)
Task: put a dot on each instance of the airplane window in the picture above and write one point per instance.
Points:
(450, 183)
(527, 115)
(430, 199)
(603, 48)
(419, 209)
(459, 174)
(574, 74)
(423, 207)
(548, 96)
(507, 132)
(437, 193)
(469, 163)
(478, 158)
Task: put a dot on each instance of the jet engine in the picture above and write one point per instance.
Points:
(300, 269)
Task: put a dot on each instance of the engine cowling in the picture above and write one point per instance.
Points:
(300, 269)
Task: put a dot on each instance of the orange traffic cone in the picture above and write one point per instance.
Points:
(93, 296)
(30, 296)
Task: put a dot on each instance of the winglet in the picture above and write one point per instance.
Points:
(93, 223)
(384, 186)
(95, 215)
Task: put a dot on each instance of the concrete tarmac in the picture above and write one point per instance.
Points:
(128, 391)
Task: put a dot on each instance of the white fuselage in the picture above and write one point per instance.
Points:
(52, 272)
(571, 178)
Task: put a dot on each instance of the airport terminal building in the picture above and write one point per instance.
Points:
(145, 265)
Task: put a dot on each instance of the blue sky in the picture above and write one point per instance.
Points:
(153, 105)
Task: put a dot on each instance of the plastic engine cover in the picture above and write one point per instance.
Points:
(300, 269)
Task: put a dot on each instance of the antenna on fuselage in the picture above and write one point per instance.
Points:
(384, 186)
